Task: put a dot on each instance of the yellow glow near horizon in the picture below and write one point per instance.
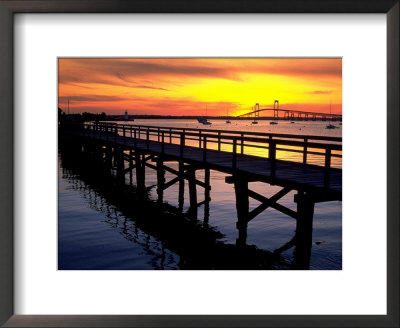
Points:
(187, 86)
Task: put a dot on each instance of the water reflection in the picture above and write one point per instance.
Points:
(168, 236)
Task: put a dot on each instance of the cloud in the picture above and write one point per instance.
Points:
(139, 83)
(150, 87)
(91, 98)
(162, 105)
(81, 86)
(129, 72)
(319, 92)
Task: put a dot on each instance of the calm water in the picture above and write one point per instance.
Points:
(105, 226)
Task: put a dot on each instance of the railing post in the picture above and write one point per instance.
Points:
(170, 135)
(123, 133)
(269, 145)
(162, 142)
(115, 133)
(327, 166)
(147, 138)
(181, 146)
(242, 143)
(305, 151)
(158, 135)
(205, 149)
(199, 139)
(219, 141)
(234, 155)
(134, 140)
(272, 157)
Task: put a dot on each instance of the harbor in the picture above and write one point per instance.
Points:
(200, 163)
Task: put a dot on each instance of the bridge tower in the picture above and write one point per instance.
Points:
(257, 110)
(276, 109)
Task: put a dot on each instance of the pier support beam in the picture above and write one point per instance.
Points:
(140, 172)
(242, 207)
(95, 150)
(130, 166)
(191, 176)
(119, 161)
(160, 180)
(108, 156)
(207, 198)
(181, 176)
(304, 227)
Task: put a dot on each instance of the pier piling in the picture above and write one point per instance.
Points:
(242, 207)
(160, 179)
(181, 186)
(140, 171)
(191, 176)
(304, 227)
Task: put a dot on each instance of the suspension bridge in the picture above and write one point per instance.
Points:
(291, 114)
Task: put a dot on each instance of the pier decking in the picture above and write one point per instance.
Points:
(310, 165)
(158, 141)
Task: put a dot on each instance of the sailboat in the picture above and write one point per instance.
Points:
(203, 120)
(254, 121)
(228, 121)
(330, 126)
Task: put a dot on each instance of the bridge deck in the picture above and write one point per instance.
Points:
(300, 176)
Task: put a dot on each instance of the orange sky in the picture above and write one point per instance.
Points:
(187, 86)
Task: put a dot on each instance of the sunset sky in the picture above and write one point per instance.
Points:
(187, 86)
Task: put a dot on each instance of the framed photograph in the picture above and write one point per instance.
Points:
(155, 156)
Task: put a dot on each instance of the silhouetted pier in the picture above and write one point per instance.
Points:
(314, 169)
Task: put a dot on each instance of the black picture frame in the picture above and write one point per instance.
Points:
(10, 7)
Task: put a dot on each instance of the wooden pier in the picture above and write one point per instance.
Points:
(313, 171)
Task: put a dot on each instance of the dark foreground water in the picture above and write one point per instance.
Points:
(104, 225)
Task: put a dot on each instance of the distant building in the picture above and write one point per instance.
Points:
(126, 115)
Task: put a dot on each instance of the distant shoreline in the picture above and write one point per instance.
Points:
(163, 117)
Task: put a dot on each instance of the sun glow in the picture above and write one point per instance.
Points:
(224, 86)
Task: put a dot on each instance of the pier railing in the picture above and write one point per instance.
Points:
(307, 149)
(321, 151)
